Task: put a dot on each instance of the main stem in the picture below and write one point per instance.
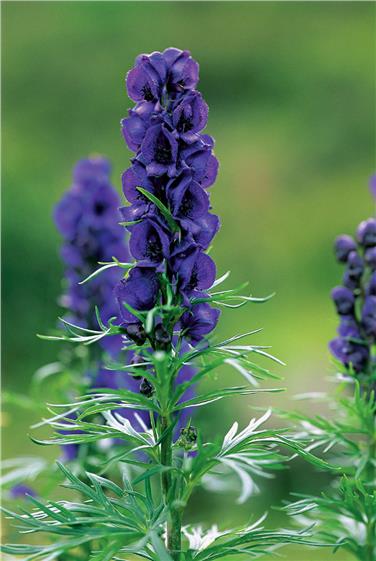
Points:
(168, 486)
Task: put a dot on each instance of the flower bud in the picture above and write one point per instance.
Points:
(343, 245)
(369, 317)
(355, 265)
(137, 359)
(146, 388)
(350, 282)
(366, 233)
(135, 332)
(370, 257)
(344, 300)
(162, 338)
(187, 438)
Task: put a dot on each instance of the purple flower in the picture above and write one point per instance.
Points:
(149, 242)
(370, 257)
(190, 116)
(182, 70)
(87, 217)
(352, 283)
(67, 215)
(20, 491)
(366, 233)
(355, 301)
(198, 322)
(195, 272)
(343, 246)
(371, 289)
(135, 126)
(198, 158)
(143, 82)
(368, 320)
(174, 162)
(139, 290)
(349, 328)
(344, 300)
(350, 354)
(188, 200)
(355, 265)
(159, 151)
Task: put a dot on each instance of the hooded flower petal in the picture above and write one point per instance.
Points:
(139, 290)
(149, 242)
(187, 198)
(159, 151)
(344, 300)
(366, 233)
(195, 272)
(190, 116)
(199, 322)
(142, 83)
(182, 69)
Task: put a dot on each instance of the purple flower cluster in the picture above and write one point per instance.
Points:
(171, 229)
(88, 219)
(355, 299)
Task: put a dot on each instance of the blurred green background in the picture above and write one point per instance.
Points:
(292, 108)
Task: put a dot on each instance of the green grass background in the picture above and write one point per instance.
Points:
(291, 93)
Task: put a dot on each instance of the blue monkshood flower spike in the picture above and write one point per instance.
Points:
(88, 219)
(355, 301)
(169, 216)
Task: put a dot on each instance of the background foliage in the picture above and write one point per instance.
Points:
(291, 92)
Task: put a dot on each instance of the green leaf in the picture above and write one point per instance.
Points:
(106, 266)
(164, 210)
(159, 548)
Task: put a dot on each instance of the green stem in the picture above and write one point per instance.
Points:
(168, 486)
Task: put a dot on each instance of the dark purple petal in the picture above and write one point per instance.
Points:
(344, 300)
(142, 85)
(349, 328)
(190, 115)
(195, 272)
(187, 198)
(210, 173)
(370, 257)
(20, 491)
(182, 69)
(352, 283)
(369, 317)
(199, 322)
(90, 171)
(134, 127)
(159, 151)
(139, 290)
(366, 233)
(371, 289)
(355, 265)
(149, 242)
(67, 214)
(343, 246)
(350, 353)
